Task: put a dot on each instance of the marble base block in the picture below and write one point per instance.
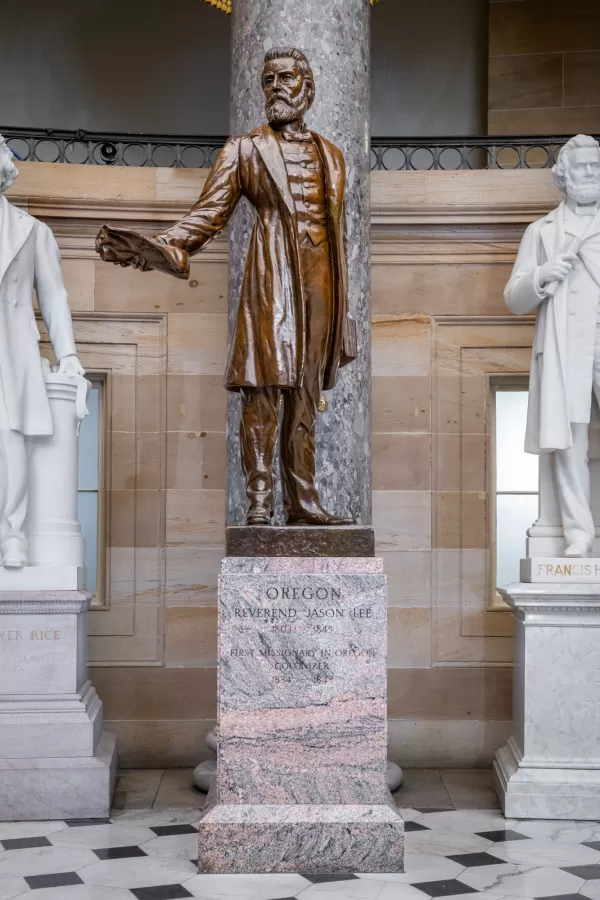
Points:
(318, 840)
(43, 578)
(55, 761)
(302, 720)
(43, 788)
(550, 768)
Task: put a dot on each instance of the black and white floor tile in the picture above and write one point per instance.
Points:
(150, 854)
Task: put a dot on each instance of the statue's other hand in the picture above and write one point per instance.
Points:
(70, 366)
(557, 269)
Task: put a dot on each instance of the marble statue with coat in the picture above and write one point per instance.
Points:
(29, 259)
(557, 273)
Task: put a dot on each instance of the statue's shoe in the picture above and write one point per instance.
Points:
(259, 515)
(320, 519)
(578, 550)
(13, 553)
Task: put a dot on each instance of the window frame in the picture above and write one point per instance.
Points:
(499, 383)
(100, 378)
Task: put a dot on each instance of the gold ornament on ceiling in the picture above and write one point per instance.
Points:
(225, 5)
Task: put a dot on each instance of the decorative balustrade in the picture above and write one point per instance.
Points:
(190, 152)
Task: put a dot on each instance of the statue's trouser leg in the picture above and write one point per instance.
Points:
(13, 480)
(573, 488)
(300, 406)
(258, 436)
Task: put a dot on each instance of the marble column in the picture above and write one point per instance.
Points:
(334, 34)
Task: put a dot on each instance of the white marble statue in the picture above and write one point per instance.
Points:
(557, 273)
(29, 258)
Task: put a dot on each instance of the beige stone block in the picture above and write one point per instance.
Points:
(409, 637)
(197, 344)
(440, 289)
(196, 403)
(137, 789)
(122, 518)
(79, 281)
(445, 742)
(150, 406)
(154, 693)
(401, 403)
(532, 26)
(170, 743)
(196, 517)
(177, 790)
(116, 619)
(401, 462)
(408, 577)
(555, 120)
(400, 346)
(185, 451)
(402, 520)
(460, 519)
(582, 78)
(134, 576)
(191, 636)
(123, 461)
(448, 692)
(460, 404)
(181, 185)
(459, 462)
(205, 291)
(122, 402)
(525, 81)
(137, 460)
(192, 574)
(150, 450)
(196, 460)
(73, 182)
(471, 789)
(149, 518)
(451, 646)
(141, 646)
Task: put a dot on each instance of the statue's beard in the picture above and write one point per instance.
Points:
(281, 112)
(583, 194)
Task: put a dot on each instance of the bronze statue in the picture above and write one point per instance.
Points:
(293, 331)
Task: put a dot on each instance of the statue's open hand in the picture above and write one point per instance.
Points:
(557, 269)
(70, 366)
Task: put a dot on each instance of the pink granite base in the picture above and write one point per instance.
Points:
(316, 840)
(301, 778)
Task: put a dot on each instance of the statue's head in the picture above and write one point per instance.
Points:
(577, 170)
(289, 85)
(8, 170)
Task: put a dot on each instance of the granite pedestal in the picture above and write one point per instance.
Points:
(55, 761)
(301, 779)
(550, 768)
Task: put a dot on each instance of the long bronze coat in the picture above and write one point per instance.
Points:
(269, 343)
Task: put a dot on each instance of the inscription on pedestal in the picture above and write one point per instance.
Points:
(37, 654)
(560, 571)
(302, 687)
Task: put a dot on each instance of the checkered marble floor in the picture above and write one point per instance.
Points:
(149, 854)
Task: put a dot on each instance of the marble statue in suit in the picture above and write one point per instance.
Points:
(29, 259)
(557, 273)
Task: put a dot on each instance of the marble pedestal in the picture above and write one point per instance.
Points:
(55, 761)
(550, 768)
(301, 776)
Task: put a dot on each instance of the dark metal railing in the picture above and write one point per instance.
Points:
(190, 152)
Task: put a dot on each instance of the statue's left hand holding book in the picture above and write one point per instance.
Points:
(125, 247)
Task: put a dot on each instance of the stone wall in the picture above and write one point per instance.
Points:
(544, 67)
(443, 245)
